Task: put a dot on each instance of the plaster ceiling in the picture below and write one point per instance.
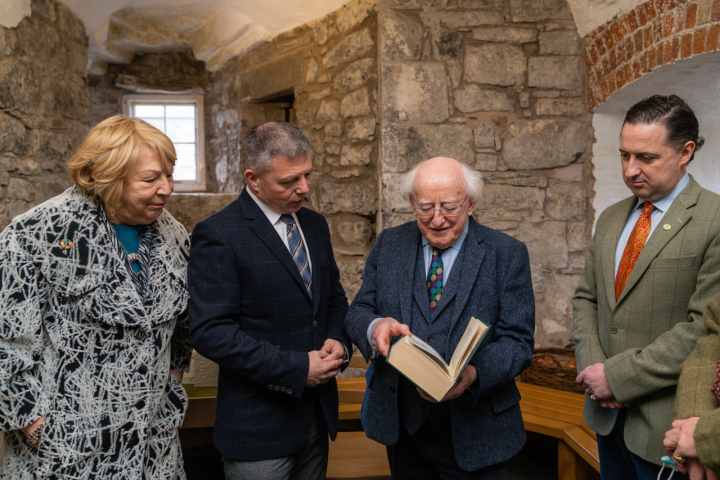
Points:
(215, 30)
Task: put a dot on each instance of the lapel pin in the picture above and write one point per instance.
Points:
(667, 226)
(66, 244)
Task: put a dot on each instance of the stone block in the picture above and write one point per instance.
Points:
(351, 274)
(564, 73)
(19, 189)
(355, 75)
(333, 149)
(485, 162)
(311, 70)
(322, 32)
(464, 19)
(356, 104)
(348, 197)
(560, 42)
(20, 89)
(12, 134)
(577, 239)
(403, 147)
(355, 233)
(51, 188)
(345, 173)
(446, 43)
(334, 129)
(506, 34)
(400, 37)
(546, 242)
(413, 3)
(540, 144)
(571, 173)
(70, 24)
(414, 92)
(361, 128)
(566, 201)
(28, 167)
(484, 135)
(510, 197)
(320, 94)
(394, 219)
(474, 99)
(394, 199)
(329, 110)
(540, 182)
(538, 10)
(356, 155)
(500, 64)
(553, 314)
(354, 46)
(353, 14)
(481, 3)
(560, 106)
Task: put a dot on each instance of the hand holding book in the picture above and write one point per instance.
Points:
(384, 330)
(467, 378)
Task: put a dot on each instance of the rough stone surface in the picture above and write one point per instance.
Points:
(355, 233)
(403, 147)
(510, 197)
(311, 71)
(356, 104)
(546, 242)
(446, 43)
(484, 135)
(414, 92)
(566, 201)
(485, 162)
(564, 73)
(351, 198)
(400, 37)
(495, 64)
(534, 144)
(506, 34)
(394, 199)
(400, 4)
(356, 75)
(356, 155)
(474, 99)
(560, 42)
(353, 14)
(361, 128)
(538, 10)
(560, 106)
(352, 47)
(463, 19)
(329, 110)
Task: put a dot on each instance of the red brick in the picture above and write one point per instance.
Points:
(686, 47)
(613, 60)
(608, 38)
(592, 54)
(605, 89)
(636, 70)
(632, 20)
(611, 84)
(691, 16)
(638, 38)
(641, 15)
(660, 6)
(715, 14)
(620, 76)
(663, 53)
(624, 24)
(699, 41)
(670, 5)
(675, 49)
(605, 68)
(617, 36)
(629, 49)
(657, 31)
(648, 38)
(712, 40)
(650, 10)
(652, 59)
(668, 23)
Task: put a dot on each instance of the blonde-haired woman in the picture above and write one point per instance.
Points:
(93, 329)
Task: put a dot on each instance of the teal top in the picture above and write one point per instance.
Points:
(129, 236)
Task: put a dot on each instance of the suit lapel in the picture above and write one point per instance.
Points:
(677, 216)
(609, 247)
(471, 257)
(269, 236)
(407, 275)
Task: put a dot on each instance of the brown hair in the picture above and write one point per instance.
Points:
(110, 150)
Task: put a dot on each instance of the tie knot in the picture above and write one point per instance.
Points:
(648, 208)
(437, 251)
(287, 218)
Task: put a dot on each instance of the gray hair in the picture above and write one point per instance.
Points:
(472, 178)
(269, 140)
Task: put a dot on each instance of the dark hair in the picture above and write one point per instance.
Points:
(673, 112)
(269, 140)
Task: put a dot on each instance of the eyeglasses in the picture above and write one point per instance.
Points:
(428, 211)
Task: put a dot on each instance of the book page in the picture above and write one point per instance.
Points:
(429, 352)
(419, 368)
(473, 334)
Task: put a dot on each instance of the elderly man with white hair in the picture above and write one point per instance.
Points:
(428, 278)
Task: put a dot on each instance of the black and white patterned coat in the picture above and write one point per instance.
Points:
(81, 346)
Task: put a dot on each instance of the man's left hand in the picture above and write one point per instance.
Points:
(334, 349)
(594, 380)
(177, 374)
(466, 379)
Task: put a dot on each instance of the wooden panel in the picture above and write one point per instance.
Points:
(353, 455)
(357, 361)
(584, 445)
(200, 413)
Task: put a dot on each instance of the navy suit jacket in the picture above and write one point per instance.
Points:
(492, 284)
(251, 313)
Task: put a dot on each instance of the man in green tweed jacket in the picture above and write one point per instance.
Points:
(696, 433)
(663, 246)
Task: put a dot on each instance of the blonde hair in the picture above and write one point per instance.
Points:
(110, 150)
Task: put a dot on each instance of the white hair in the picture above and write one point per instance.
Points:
(472, 178)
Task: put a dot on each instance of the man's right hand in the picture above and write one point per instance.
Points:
(321, 371)
(383, 331)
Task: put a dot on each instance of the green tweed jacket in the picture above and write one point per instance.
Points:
(646, 335)
(694, 396)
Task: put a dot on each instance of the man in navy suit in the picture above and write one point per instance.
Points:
(429, 277)
(267, 306)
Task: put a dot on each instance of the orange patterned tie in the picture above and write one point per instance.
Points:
(634, 246)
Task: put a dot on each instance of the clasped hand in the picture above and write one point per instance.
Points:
(595, 383)
(325, 363)
(680, 443)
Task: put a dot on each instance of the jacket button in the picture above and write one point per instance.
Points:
(140, 404)
(142, 370)
(270, 387)
(289, 391)
(277, 389)
(392, 389)
(429, 339)
(315, 323)
(614, 330)
(282, 389)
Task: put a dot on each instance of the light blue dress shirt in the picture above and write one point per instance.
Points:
(661, 207)
(449, 255)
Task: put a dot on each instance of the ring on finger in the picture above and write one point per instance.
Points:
(678, 460)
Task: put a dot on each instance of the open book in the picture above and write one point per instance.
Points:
(426, 368)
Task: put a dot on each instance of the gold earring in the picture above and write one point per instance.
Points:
(112, 212)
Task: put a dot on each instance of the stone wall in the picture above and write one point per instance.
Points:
(498, 85)
(44, 105)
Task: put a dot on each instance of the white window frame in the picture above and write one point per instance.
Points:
(199, 185)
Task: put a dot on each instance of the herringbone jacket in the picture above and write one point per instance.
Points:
(81, 346)
(644, 337)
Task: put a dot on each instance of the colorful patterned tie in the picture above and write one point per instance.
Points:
(716, 385)
(297, 249)
(634, 246)
(435, 280)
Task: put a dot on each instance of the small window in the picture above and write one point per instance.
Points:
(180, 117)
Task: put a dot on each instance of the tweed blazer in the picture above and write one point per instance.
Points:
(251, 313)
(694, 395)
(644, 337)
(493, 283)
(80, 346)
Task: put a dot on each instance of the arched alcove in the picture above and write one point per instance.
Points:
(696, 81)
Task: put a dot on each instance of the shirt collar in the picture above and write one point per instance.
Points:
(271, 214)
(664, 203)
(458, 243)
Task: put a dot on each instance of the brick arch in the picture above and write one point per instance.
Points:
(653, 34)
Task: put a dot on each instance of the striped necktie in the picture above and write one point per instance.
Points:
(633, 247)
(297, 249)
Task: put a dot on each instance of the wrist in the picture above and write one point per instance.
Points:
(33, 432)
